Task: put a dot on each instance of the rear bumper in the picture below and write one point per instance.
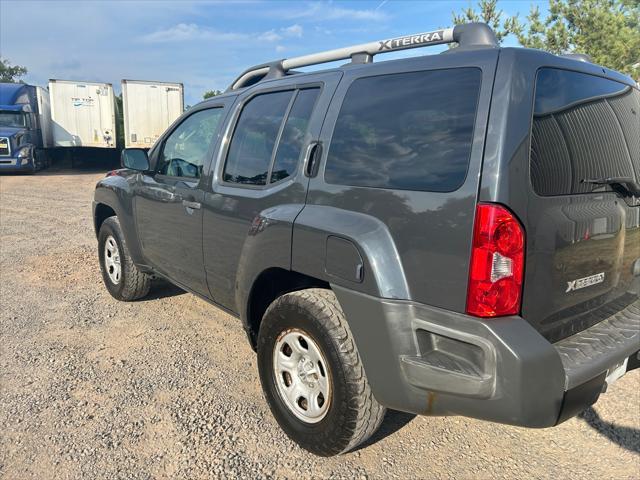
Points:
(430, 361)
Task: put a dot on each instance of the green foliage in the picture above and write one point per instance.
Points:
(10, 73)
(606, 30)
(488, 13)
(211, 94)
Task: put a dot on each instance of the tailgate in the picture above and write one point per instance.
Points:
(583, 239)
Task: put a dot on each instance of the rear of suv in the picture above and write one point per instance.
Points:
(456, 234)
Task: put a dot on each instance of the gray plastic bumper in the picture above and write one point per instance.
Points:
(425, 360)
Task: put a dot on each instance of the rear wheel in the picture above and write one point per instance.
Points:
(120, 275)
(312, 375)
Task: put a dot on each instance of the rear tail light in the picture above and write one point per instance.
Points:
(497, 263)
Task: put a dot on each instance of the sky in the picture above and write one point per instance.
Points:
(202, 44)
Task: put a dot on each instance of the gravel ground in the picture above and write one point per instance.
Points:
(168, 388)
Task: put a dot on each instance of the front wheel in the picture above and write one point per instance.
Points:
(120, 275)
(312, 375)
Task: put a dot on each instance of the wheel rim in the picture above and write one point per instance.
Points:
(302, 375)
(112, 260)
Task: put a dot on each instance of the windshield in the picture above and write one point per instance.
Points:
(12, 119)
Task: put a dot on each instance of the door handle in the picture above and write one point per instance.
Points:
(192, 205)
(312, 159)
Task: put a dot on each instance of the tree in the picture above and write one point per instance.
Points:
(606, 30)
(488, 13)
(10, 73)
(211, 94)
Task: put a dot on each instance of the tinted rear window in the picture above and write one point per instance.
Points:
(406, 131)
(584, 127)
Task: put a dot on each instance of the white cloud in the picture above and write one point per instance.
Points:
(326, 11)
(185, 32)
(188, 32)
(280, 48)
(293, 31)
(270, 36)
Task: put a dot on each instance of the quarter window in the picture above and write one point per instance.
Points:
(406, 131)
(185, 149)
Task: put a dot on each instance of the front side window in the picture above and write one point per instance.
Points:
(584, 128)
(406, 131)
(185, 150)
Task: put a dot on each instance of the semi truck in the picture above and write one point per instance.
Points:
(149, 108)
(83, 114)
(25, 127)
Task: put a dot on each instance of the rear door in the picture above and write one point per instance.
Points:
(583, 252)
(258, 181)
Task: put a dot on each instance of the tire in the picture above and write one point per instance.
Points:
(351, 413)
(131, 283)
(39, 160)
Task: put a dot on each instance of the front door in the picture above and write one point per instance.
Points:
(168, 201)
(258, 186)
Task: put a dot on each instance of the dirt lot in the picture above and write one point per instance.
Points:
(168, 387)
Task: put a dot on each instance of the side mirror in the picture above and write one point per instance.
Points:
(135, 159)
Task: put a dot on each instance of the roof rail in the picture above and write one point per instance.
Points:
(581, 57)
(466, 35)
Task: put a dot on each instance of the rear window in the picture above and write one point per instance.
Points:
(584, 127)
(406, 131)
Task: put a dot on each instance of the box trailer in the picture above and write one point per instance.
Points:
(25, 127)
(83, 114)
(149, 108)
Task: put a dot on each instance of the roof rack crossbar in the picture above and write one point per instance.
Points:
(466, 35)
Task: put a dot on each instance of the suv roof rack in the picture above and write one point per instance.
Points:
(581, 57)
(467, 35)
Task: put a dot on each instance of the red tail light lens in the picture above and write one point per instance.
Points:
(497, 263)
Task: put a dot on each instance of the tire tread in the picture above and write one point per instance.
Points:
(366, 413)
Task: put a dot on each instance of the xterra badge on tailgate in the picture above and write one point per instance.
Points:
(585, 282)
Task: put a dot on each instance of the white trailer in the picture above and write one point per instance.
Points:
(44, 116)
(149, 108)
(83, 114)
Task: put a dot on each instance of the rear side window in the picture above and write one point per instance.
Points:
(584, 127)
(406, 131)
(254, 138)
(293, 135)
(266, 146)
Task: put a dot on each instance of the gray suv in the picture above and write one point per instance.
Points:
(454, 234)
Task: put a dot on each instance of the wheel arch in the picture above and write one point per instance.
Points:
(101, 212)
(114, 197)
(267, 286)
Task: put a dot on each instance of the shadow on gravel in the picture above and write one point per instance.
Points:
(162, 289)
(393, 421)
(626, 437)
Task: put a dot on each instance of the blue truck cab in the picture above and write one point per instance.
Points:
(25, 127)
